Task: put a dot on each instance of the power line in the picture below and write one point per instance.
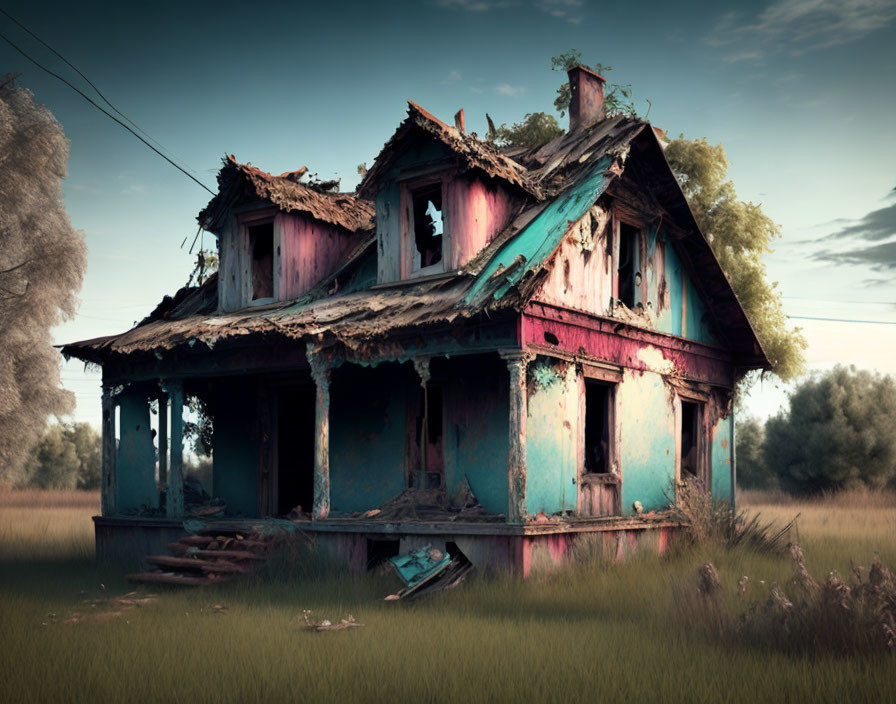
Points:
(105, 112)
(843, 320)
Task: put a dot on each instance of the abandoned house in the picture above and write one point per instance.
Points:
(491, 351)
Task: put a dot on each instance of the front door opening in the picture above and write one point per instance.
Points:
(690, 438)
(295, 450)
(597, 427)
(426, 451)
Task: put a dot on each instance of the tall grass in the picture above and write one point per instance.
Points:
(601, 631)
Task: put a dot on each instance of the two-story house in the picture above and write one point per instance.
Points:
(521, 346)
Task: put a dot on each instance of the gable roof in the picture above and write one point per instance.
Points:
(568, 175)
(472, 152)
(239, 183)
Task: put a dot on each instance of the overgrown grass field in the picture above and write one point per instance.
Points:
(602, 632)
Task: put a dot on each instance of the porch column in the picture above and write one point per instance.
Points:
(421, 365)
(321, 366)
(109, 487)
(174, 497)
(517, 362)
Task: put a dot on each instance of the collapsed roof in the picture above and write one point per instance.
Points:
(561, 179)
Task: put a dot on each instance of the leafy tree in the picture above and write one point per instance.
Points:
(68, 456)
(752, 471)
(42, 262)
(740, 234)
(839, 432)
(539, 128)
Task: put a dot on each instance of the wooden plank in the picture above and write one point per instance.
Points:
(169, 578)
(109, 486)
(194, 565)
(175, 495)
(229, 555)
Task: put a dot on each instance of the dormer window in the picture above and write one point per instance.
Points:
(428, 226)
(261, 249)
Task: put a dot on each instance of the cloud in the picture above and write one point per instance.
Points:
(877, 225)
(475, 5)
(452, 77)
(133, 188)
(880, 257)
(510, 91)
(569, 10)
(799, 26)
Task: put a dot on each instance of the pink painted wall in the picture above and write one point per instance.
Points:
(477, 212)
(309, 251)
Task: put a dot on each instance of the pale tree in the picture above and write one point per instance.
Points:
(42, 263)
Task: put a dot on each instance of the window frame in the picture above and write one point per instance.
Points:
(246, 221)
(409, 254)
(704, 461)
(639, 293)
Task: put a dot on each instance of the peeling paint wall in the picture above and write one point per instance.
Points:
(236, 448)
(647, 440)
(476, 435)
(720, 459)
(551, 442)
(367, 435)
(135, 464)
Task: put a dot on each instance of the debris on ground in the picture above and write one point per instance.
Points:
(198, 502)
(428, 570)
(102, 610)
(324, 625)
(430, 505)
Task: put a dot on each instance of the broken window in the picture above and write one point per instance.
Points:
(428, 225)
(261, 247)
(598, 426)
(690, 438)
(628, 247)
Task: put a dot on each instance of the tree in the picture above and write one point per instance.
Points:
(752, 471)
(539, 128)
(42, 263)
(68, 456)
(739, 234)
(839, 433)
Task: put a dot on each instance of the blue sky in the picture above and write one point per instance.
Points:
(800, 93)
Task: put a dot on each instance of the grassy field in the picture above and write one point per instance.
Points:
(598, 633)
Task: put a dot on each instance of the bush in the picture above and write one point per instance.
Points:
(68, 456)
(839, 433)
(752, 470)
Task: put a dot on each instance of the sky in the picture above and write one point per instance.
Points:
(801, 93)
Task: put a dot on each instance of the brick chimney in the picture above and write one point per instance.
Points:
(586, 105)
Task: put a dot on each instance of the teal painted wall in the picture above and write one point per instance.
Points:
(476, 428)
(551, 442)
(647, 440)
(721, 459)
(367, 435)
(136, 460)
(236, 449)
(679, 286)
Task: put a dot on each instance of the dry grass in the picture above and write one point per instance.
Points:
(608, 632)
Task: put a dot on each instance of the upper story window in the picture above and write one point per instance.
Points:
(428, 225)
(261, 251)
(628, 278)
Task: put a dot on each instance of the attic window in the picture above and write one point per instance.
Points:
(261, 246)
(628, 246)
(428, 225)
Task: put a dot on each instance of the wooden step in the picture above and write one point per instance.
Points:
(197, 540)
(168, 578)
(187, 563)
(255, 546)
(229, 555)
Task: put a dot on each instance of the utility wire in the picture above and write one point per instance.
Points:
(89, 82)
(843, 320)
(105, 112)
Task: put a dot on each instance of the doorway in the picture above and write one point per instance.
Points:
(295, 449)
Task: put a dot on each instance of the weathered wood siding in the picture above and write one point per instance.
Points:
(476, 211)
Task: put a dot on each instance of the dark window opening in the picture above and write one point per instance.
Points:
(261, 244)
(598, 422)
(380, 551)
(628, 243)
(690, 424)
(551, 338)
(428, 224)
